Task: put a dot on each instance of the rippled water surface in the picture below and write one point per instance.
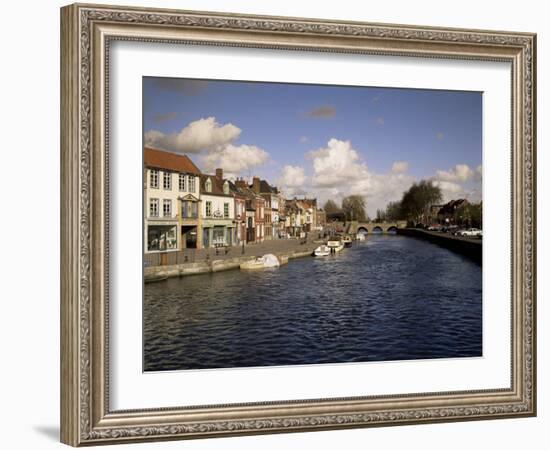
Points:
(390, 298)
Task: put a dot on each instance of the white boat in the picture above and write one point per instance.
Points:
(322, 250)
(346, 240)
(263, 262)
(335, 245)
(361, 236)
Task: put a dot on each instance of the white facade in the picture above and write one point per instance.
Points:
(217, 207)
(218, 220)
(161, 208)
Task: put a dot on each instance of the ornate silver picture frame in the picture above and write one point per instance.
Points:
(87, 32)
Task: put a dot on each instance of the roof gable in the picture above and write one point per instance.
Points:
(160, 159)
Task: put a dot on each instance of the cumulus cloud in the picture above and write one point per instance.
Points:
(338, 170)
(478, 175)
(336, 164)
(292, 176)
(400, 167)
(322, 112)
(234, 159)
(460, 172)
(200, 135)
(292, 181)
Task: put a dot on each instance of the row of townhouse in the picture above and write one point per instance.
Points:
(184, 208)
(303, 216)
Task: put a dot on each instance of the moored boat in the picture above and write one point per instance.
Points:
(335, 245)
(263, 262)
(322, 250)
(346, 240)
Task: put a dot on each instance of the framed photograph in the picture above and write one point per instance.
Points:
(276, 224)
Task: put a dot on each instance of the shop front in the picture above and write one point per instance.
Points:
(218, 233)
(162, 237)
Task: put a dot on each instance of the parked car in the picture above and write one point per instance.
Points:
(452, 229)
(471, 232)
(434, 227)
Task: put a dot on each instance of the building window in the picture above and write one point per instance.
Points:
(208, 185)
(226, 210)
(226, 188)
(161, 237)
(167, 208)
(192, 184)
(154, 179)
(182, 182)
(167, 180)
(189, 210)
(208, 209)
(153, 207)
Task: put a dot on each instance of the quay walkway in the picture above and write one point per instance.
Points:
(193, 262)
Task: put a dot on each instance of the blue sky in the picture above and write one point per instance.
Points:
(324, 141)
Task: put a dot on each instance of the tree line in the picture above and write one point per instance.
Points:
(414, 207)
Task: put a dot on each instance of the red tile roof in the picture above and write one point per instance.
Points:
(160, 159)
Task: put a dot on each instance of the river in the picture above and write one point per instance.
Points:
(389, 298)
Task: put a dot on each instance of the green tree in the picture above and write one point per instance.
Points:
(380, 216)
(354, 207)
(417, 200)
(469, 214)
(330, 207)
(394, 211)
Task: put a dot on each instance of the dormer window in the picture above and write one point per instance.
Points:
(208, 185)
(226, 188)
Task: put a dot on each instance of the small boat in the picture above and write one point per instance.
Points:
(283, 259)
(335, 246)
(347, 241)
(263, 262)
(361, 236)
(322, 250)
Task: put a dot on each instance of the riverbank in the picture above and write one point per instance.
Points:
(471, 248)
(159, 273)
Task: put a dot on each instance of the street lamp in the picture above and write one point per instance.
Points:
(243, 237)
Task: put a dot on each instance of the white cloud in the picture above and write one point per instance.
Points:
(400, 167)
(336, 164)
(292, 176)
(478, 176)
(234, 160)
(200, 135)
(460, 172)
(292, 181)
(339, 170)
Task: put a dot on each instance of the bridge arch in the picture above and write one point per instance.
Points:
(391, 230)
(377, 229)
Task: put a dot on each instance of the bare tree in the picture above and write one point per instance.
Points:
(354, 207)
(331, 207)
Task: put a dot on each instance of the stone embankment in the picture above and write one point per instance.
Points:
(469, 247)
(159, 273)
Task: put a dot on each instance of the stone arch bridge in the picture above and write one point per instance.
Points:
(372, 227)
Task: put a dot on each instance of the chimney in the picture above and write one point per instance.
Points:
(219, 174)
(240, 183)
(256, 185)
